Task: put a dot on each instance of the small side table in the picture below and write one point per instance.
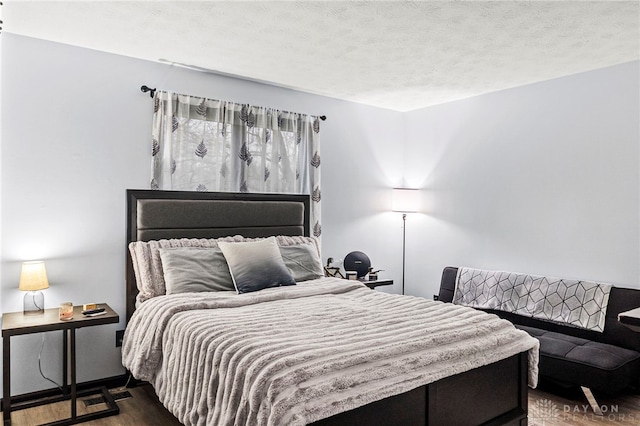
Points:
(16, 323)
(630, 319)
(376, 283)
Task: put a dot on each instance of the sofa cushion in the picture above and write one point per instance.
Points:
(592, 364)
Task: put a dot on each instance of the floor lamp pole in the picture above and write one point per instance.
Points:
(404, 234)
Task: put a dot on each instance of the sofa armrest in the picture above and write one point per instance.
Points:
(448, 284)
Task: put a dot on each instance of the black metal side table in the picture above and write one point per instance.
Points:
(16, 323)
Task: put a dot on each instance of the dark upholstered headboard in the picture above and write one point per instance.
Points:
(156, 215)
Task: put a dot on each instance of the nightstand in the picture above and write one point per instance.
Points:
(376, 283)
(16, 323)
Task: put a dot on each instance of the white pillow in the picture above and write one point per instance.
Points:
(256, 265)
(147, 265)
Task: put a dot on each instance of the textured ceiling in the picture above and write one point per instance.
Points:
(400, 55)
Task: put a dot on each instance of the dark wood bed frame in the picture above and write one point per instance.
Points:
(495, 394)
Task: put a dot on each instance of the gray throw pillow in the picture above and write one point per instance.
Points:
(303, 261)
(256, 265)
(188, 269)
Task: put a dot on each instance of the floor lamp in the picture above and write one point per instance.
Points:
(404, 200)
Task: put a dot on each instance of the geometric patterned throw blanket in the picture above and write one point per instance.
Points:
(569, 302)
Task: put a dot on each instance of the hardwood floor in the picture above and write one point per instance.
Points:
(551, 406)
(143, 408)
(560, 408)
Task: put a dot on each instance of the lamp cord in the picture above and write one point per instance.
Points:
(33, 298)
(57, 385)
(40, 366)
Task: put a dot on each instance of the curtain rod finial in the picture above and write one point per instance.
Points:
(146, 89)
(323, 117)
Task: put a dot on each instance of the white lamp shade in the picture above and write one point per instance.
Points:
(33, 276)
(405, 200)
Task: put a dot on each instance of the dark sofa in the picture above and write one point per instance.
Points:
(607, 362)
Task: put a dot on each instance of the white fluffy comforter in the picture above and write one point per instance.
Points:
(294, 355)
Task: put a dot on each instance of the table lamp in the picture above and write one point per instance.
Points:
(404, 200)
(33, 278)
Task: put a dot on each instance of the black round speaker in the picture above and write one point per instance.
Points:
(357, 261)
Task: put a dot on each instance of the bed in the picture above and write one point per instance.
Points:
(326, 351)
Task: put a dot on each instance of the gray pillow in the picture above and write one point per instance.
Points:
(188, 269)
(303, 261)
(256, 265)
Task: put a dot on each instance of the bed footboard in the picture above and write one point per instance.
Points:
(495, 394)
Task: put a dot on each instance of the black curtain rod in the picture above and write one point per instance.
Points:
(152, 93)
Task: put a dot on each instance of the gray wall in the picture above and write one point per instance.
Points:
(76, 133)
(542, 179)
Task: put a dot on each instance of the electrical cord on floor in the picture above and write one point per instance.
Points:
(125, 386)
(40, 365)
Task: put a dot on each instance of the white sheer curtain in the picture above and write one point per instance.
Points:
(210, 145)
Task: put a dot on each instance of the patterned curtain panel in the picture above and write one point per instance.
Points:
(209, 145)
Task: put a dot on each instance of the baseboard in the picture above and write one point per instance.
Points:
(109, 382)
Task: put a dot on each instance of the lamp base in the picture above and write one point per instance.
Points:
(33, 303)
